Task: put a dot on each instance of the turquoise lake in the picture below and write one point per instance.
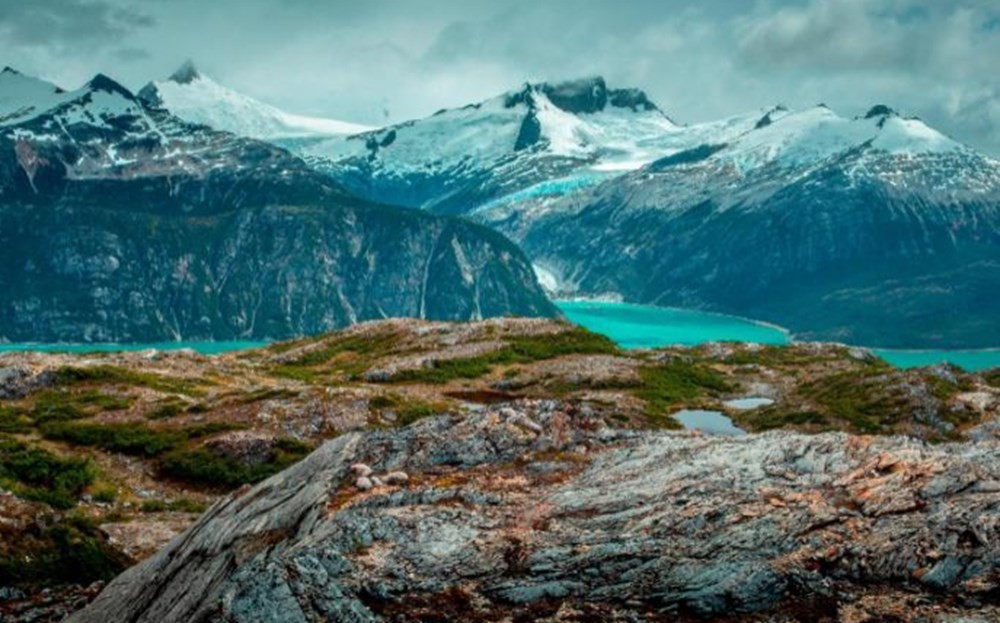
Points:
(643, 326)
(631, 326)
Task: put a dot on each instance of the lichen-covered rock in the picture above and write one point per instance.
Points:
(18, 381)
(496, 522)
(244, 447)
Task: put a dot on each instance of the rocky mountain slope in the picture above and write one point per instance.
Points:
(876, 230)
(196, 98)
(106, 457)
(120, 222)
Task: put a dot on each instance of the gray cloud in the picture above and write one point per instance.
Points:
(700, 59)
(66, 24)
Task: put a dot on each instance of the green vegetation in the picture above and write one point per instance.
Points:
(792, 357)
(267, 393)
(69, 551)
(351, 355)
(573, 341)
(518, 350)
(204, 467)
(130, 438)
(770, 418)
(13, 420)
(113, 375)
(61, 405)
(869, 404)
(664, 386)
(407, 410)
(346, 354)
(165, 411)
(182, 505)
(105, 493)
(872, 403)
(36, 474)
(992, 377)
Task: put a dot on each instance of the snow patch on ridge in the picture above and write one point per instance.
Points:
(196, 98)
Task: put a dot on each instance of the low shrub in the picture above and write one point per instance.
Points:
(129, 438)
(14, 420)
(519, 349)
(36, 474)
(69, 551)
(203, 467)
(182, 505)
(114, 375)
(62, 405)
(664, 386)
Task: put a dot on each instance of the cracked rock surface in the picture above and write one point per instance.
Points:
(579, 522)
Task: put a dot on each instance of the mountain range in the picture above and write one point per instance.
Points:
(874, 229)
(121, 222)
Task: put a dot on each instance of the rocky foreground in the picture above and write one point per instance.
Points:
(503, 470)
(509, 516)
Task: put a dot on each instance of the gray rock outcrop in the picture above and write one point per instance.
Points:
(499, 522)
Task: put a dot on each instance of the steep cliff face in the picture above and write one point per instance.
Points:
(548, 515)
(118, 222)
(877, 231)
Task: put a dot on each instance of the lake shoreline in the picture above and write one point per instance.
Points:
(631, 325)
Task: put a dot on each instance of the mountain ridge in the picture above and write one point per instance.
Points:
(193, 96)
(123, 223)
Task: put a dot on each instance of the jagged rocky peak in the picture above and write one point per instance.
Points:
(587, 95)
(880, 110)
(771, 116)
(583, 96)
(102, 82)
(186, 74)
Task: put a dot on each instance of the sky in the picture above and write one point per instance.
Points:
(378, 61)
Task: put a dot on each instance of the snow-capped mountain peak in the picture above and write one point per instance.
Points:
(22, 96)
(193, 96)
(816, 134)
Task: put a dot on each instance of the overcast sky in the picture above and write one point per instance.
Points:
(374, 60)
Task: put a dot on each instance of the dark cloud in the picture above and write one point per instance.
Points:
(68, 24)
(700, 59)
